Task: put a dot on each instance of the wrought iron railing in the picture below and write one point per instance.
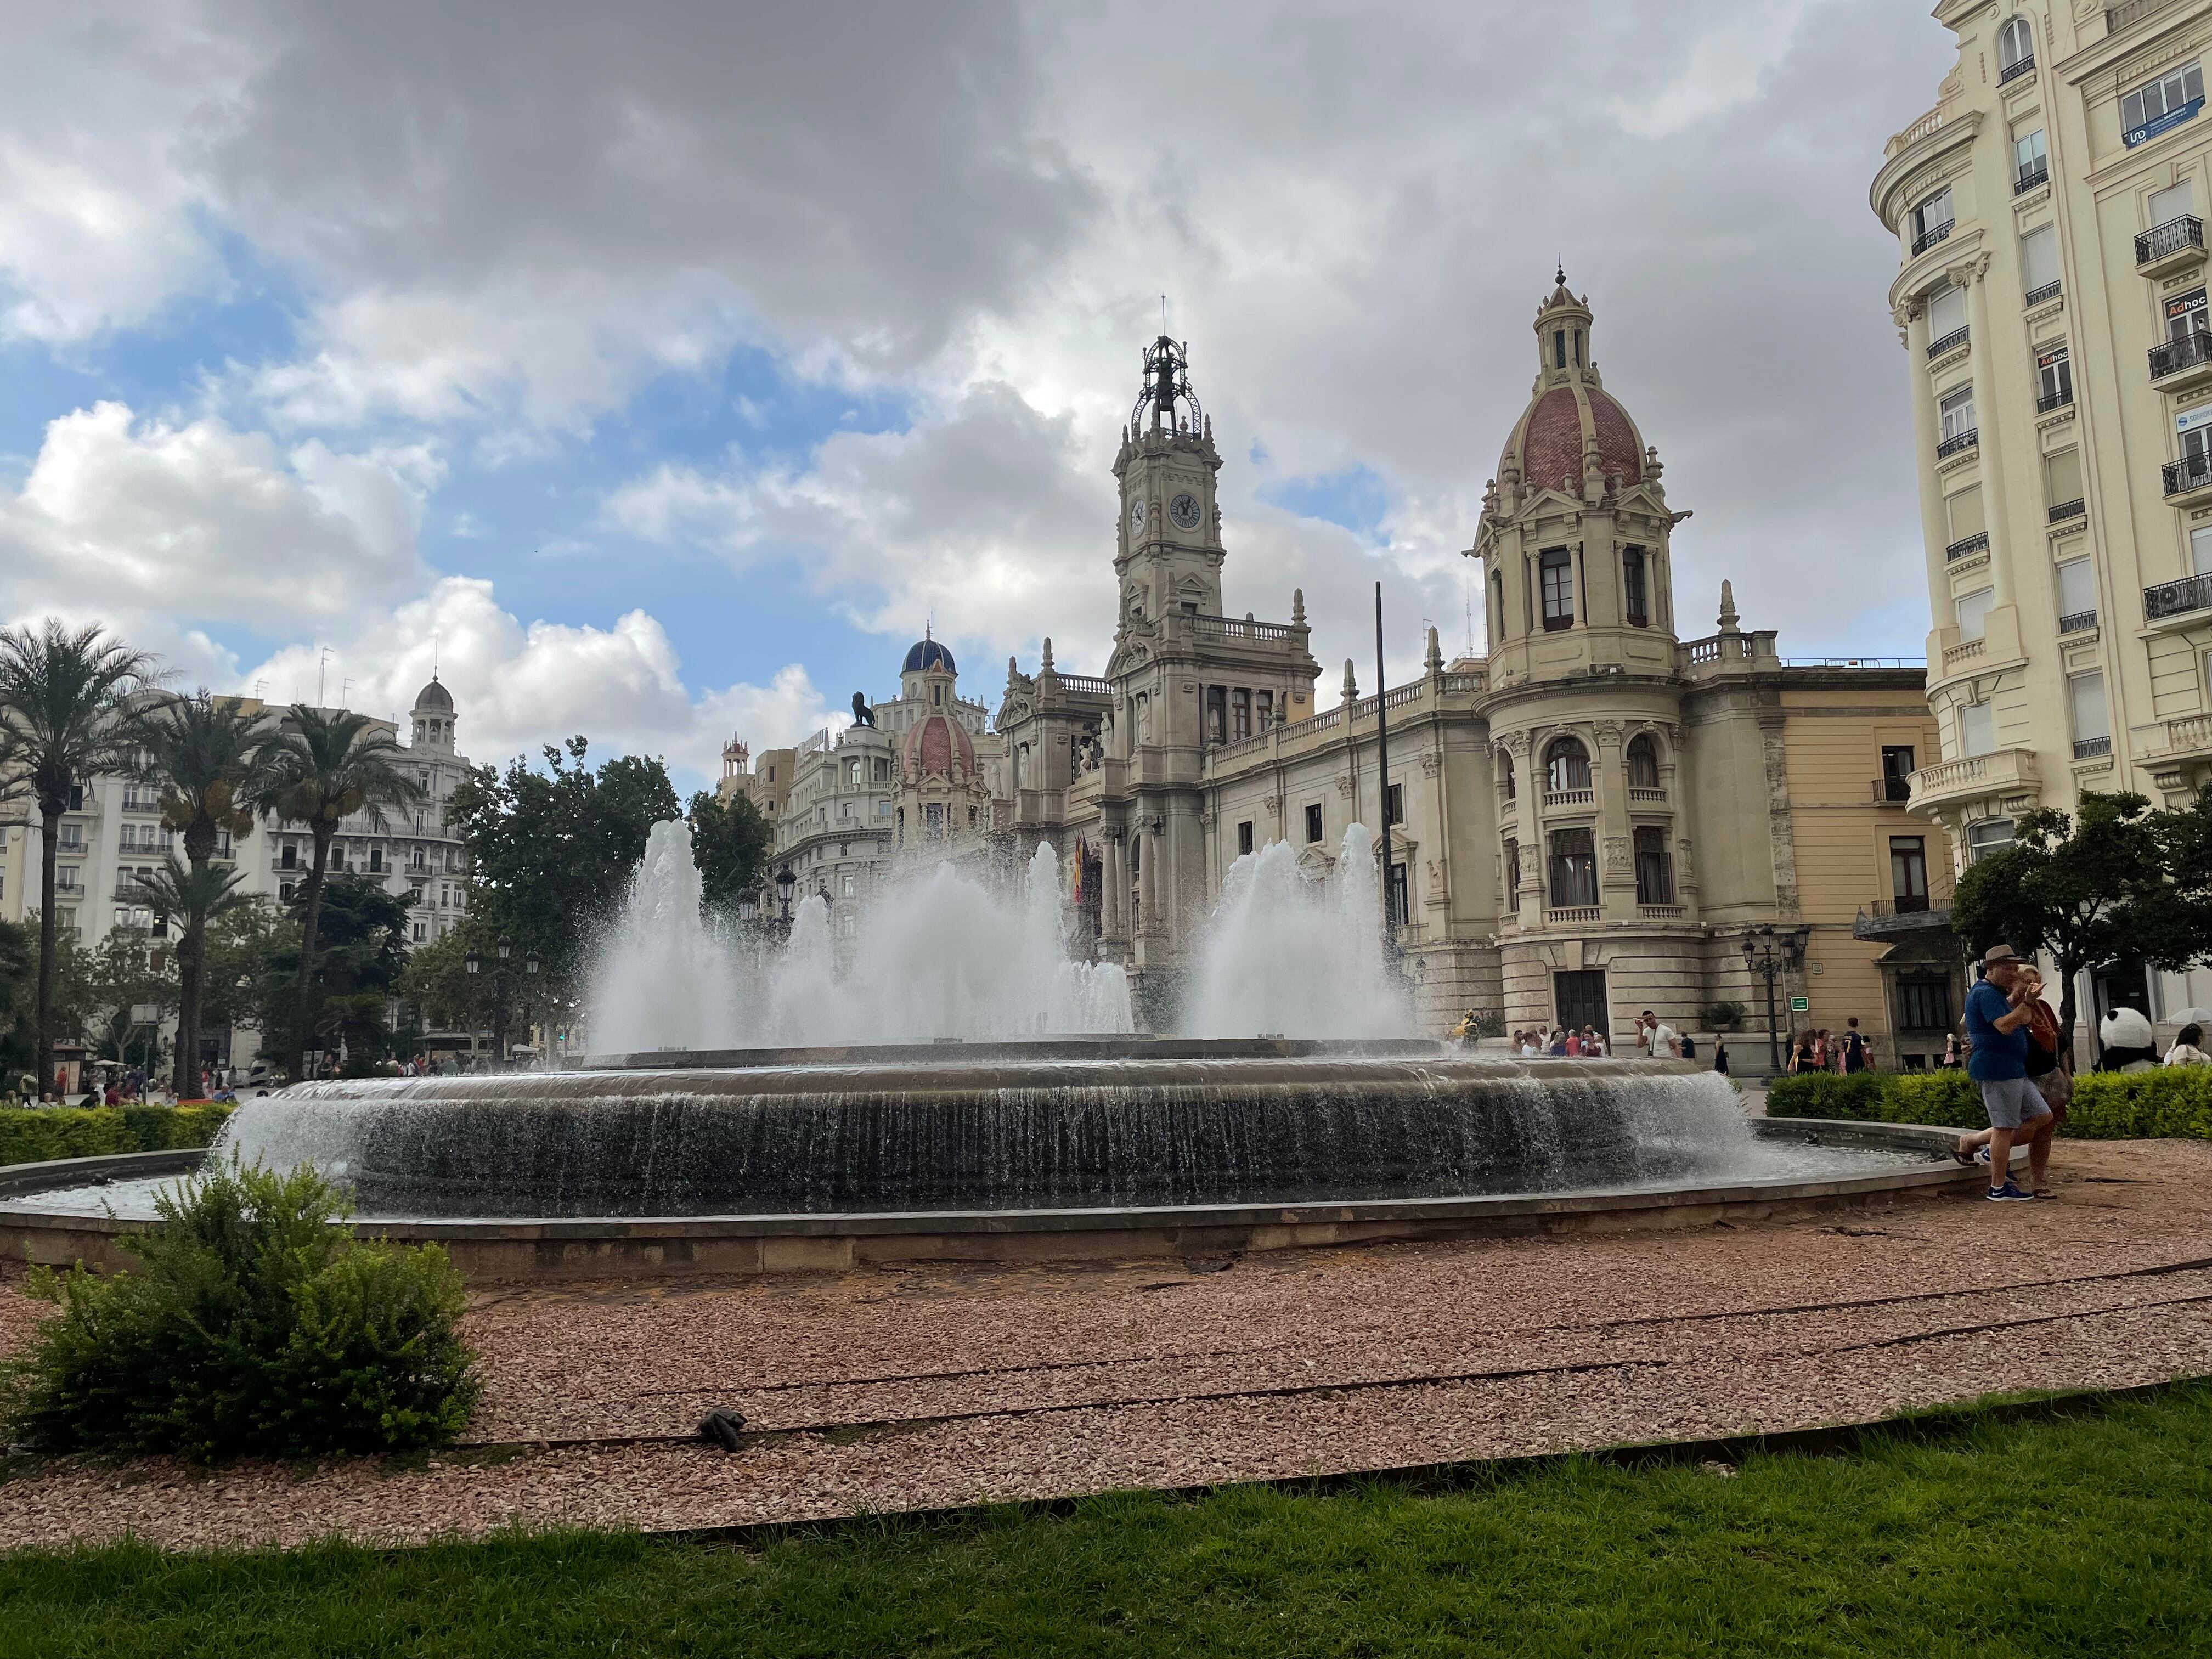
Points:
(1950, 342)
(2013, 71)
(2036, 296)
(2050, 400)
(2170, 238)
(2073, 509)
(1959, 440)
(1934, 233)
(2038, 174)
(2077, 621)
(2177, 598)
(2188, 350)
(2090, 748)
(2190, 472)
(1965, 546)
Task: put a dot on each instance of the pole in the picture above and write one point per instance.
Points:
(1390, 917)
(1773, 1038)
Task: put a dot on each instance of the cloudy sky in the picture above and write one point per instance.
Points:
(663, 366)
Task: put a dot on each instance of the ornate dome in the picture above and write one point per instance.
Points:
(435, 696)
(925, 652)
(933, 745)
(1547, 446)
(1570, 414)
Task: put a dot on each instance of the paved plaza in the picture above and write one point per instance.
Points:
(936, 1385)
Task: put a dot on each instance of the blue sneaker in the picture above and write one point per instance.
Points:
(2011, 1193)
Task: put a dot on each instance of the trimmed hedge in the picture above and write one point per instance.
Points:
(2168, 1102)
(34, 1134)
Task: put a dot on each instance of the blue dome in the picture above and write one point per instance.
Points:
(928, 653)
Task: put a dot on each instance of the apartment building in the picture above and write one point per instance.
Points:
(2051, 296)
(111, 834)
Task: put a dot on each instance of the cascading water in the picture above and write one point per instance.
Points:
(1289, 953)
(936, 957)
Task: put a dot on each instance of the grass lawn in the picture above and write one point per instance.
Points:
(2092, 1535)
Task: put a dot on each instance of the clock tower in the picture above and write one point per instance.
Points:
(1167, 557)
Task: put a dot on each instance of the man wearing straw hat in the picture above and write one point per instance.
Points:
(1998, 1015)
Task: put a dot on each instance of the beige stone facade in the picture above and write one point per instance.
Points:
(2051, 299)
(1586, 821)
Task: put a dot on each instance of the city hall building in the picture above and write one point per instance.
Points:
(1594, 818)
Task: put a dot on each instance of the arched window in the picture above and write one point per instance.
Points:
(1566, 766)
(2015, 49)
(1642, 762)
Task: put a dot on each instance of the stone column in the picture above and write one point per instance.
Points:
(1934, 529)
(1982, 349)
(1616, 858)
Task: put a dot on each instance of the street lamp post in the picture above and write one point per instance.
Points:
(1770, 953)
(474, 963)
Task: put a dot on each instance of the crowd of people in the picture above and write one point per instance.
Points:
(1654, 1040)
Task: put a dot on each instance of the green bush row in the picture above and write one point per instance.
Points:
(37, 1134)
(2175, 1102)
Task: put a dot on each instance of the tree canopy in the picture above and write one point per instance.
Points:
(552, 853)
(729, 842)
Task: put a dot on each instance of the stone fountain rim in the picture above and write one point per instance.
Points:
(22, 1229)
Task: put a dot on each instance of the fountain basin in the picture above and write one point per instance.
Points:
(53, 1213)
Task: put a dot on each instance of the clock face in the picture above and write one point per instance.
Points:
(1183, 510)
(1136, 515)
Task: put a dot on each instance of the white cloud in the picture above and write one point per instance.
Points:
(202, 522)
(518, 686)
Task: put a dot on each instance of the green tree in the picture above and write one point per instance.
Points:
(2077, 889)
(362, 953)
(729, 842)
(323, 769)
(209, 756)
(552, 853)
(189, 896)
(19, 986)
(68, 712)
(123, 976)
(245, 946)
(436, 982)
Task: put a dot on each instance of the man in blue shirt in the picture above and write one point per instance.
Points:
(1996, 1025)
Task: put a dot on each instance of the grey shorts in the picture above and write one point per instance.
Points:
(2012, 1101)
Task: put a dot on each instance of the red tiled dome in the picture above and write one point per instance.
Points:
(1549, 440)
(932, 745)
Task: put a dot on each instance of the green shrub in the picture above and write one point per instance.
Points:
(1726, 1016)
(2174, 1102)
(254, 1325)
(35, 1135)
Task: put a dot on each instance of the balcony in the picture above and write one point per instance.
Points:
(1885, 919)
(2034, 179)
(2168, 249)
(1570, 800)
(1967, 547)
(2185, 736)
(1934, 233)
(2093, 748)
(1950, 341)
(2004, 771)
(1638, 796)
(2051, 402)
(1573, 915)
(1892, 792)
(2188, 482)
(2182, 598)
(2078, 621)
(2036, 296)
(1957, 443)
(2183, 363)
(2065, 510)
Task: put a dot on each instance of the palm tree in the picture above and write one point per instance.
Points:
(67, 714)
(209, 756)
(322, 769)
(192, 895)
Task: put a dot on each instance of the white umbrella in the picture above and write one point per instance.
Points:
(2190, 1017)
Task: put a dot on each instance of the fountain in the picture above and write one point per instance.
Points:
(950, 1082)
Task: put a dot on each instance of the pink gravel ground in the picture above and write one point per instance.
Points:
(940, 1385)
